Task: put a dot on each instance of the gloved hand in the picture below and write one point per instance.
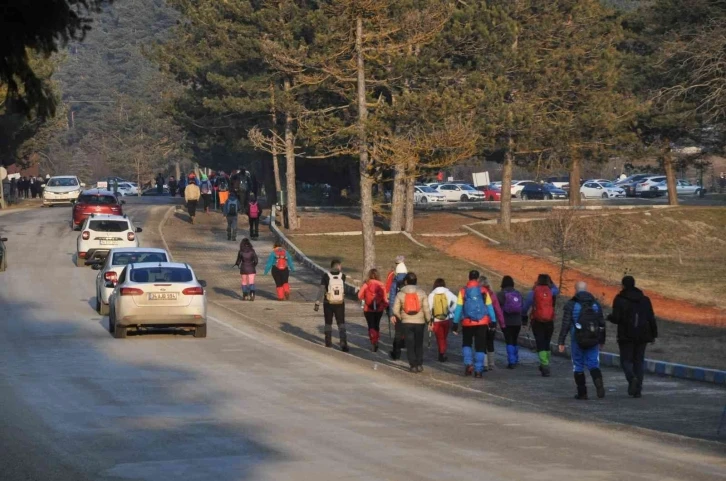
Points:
(317, 306)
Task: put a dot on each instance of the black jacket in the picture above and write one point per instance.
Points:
(622, 308)
(247, 261)
(572, 313)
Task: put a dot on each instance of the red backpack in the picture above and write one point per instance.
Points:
(544, 306)
(411, 303)
(374, 296)
(280, 259)
(254, 210)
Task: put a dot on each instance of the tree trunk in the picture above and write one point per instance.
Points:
(410, 182)
(670, 176)
(290, 176)
(177, 170)
(575, 179)
(505, 206)
(366, 179)
(275, 164)
(399, 198)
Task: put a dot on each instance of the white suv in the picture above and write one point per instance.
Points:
(115, 262)
(648, 187)
(62, 189)
(102, 232)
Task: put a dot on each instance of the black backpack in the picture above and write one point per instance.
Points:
(232, 209)
(637, 321)
(587, 326)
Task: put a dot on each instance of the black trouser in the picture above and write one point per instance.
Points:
(373, 319)
(398, 339)
(414, 337)
(280, 276)
(542, 332)
(491, 335)
(207, 200)
(192, 207)
(232, 227)
(475, 336)
(255, 227)
(632, 360)
(511, 334)
(336, 311)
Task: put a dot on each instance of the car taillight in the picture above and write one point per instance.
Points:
(111, 277)
(131, 236)
(193, 291)
(131, 291)
(86, 235)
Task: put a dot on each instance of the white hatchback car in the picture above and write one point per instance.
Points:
(62, 189)
(600, 190)
(423, 194)
(158, 294)
(648, 187)
(115, 262)
(127, 188)
(102, 232)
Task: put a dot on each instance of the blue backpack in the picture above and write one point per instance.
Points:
(474, 307)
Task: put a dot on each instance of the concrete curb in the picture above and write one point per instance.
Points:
(663, 368)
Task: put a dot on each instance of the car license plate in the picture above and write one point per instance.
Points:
(108, 242)
(162, 296)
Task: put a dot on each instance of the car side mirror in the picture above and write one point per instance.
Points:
(599, 187)
(109, 284)
(139, 229)
(202, 283)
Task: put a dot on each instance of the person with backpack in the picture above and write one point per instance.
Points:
(474, 311)
(394, 283)
(443, 306)
(192, 195)
(583, 320)
(280, 263)
(332, 293)
(541, 300)
(173, 186)
(412, 311)
(205, 186)
(373, 295)
(247, 263)
(511, 301)
(231, 209)
(634, 316)
(492, 331)
(222, 187)
(254, 212)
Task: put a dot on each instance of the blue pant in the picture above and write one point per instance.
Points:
(584, 358)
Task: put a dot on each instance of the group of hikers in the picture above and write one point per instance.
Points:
(476, 310)
(27, 187)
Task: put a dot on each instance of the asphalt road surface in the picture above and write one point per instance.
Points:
(76, 404)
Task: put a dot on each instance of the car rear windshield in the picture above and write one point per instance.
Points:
(161, 274)
(108, 225)
(126, 258)
(97, 199)
(62, 182)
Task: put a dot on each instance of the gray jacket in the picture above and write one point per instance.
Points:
(423, 316)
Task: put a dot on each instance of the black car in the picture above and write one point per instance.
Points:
(542, 192)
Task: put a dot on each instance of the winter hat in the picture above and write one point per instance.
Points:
(400, 259)
(401, 268)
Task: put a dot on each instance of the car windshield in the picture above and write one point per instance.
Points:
(161, 274)
(551, 186)
(427, 190)
(97, 199)
(466, 187)
(126, 258)
(607, 184)
(64, 182)
(108, 225)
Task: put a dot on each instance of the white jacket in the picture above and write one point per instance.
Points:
(449, 295)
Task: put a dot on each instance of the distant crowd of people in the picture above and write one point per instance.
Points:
(26, 188)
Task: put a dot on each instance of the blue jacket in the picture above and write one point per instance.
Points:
(231, 200)
(459, 313)
(398, 281)
(571, 315)
(529, 300)
(273, 258)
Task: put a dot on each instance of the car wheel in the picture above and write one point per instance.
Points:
(524, 197)
(464, 198)
(549, 197)
(200, 331)
(103, 308)
(119, 332)
(98, 303)
(80, 262)
(111, 321)
(604, 196)
(582, 195)
(424, 200)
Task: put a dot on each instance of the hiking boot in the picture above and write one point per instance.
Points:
(633, 387)
(511, 366)
(287, 296)
(395, 355)
(599, 385)
(581, 384)
(581, 397)
(191, 220)
(419, 368)
(344, 347)
(478, 375)
(443, 358)
(328, 339)
(244, 296)
(252, 296)
(638, 395)
(412, 369)
(490, 361)
(468, 370)
(546, 372)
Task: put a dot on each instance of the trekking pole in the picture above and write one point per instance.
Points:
(429, 346)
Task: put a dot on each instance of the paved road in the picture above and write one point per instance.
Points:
(77, 404)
